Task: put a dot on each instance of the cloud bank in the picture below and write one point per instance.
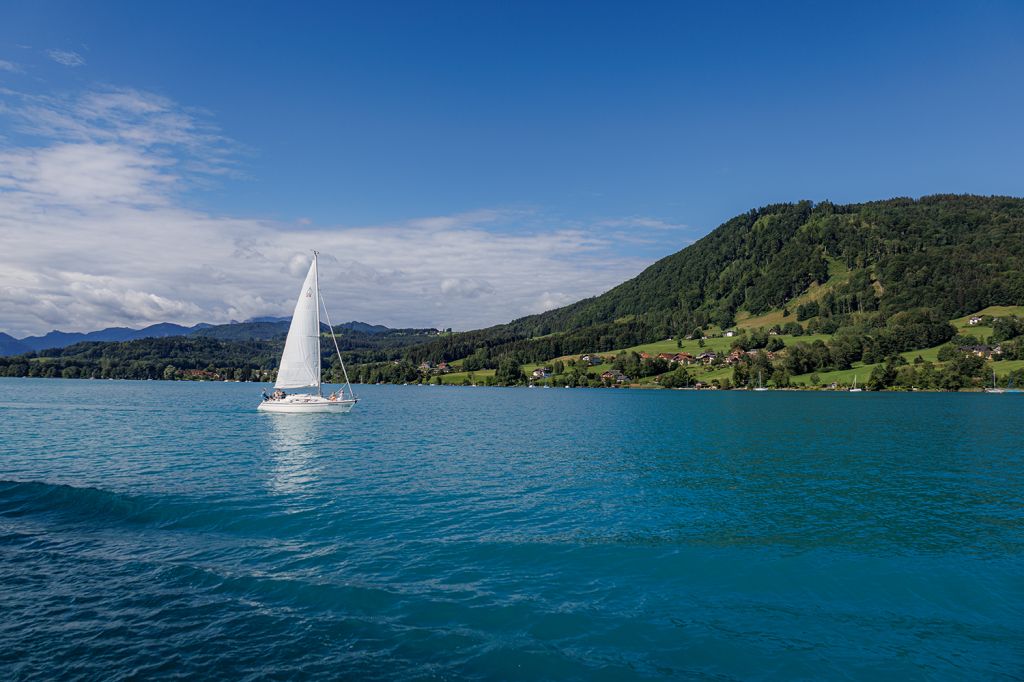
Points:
(94, 232)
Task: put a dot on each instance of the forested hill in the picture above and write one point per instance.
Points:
(870, 280)
(954, 253)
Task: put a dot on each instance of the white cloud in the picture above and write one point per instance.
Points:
(66, 57)
(465, 287)
(9, 66)
(93, 233)
(550, 300)
(73, 174)
(643, 223)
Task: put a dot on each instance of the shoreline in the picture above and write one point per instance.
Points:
(634, 387)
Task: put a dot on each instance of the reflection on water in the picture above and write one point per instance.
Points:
(292, 449)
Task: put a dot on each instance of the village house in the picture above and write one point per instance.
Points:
(645, 355)
(615, 376)
(426, 366)
(707, 357)
(982, 351)
(975, 320)
(684, 358)
(667, 357)
(730, 332)
(592, 359)
(735, 356)
(200, 374)
(541, 373)
(442, 368)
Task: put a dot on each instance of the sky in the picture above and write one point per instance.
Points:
(458, 164)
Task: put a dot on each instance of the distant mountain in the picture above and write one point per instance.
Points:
(59, 339)
(257, 328)
(356, 326)
(365, 327)
(262, 328)
(11, 346)
(265, 318)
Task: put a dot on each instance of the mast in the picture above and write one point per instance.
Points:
(316, 275)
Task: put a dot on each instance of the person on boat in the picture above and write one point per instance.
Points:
(265, 396)
(278, 394)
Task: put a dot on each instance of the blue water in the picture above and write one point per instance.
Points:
(152, 528)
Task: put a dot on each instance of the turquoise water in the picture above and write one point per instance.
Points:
(150, 528)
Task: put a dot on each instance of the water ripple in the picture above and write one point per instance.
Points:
(510, 534)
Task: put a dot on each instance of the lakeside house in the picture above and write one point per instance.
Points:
(541, 373)
(200, 374)
(708, 356)
(427, 367)
(735, 356)
(982, 351)
(684, 358)
(615, 376)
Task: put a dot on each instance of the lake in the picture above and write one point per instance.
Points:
(157, 528)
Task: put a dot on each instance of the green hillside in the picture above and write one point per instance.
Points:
(804, 289)
(825, 266)
(958, 254)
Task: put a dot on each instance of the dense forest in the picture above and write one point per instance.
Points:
(891, 274)
(949, 255)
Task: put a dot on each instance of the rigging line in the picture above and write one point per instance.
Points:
(330, 325)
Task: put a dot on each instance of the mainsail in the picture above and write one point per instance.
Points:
(300, 362)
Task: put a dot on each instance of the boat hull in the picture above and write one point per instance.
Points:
(304, 404)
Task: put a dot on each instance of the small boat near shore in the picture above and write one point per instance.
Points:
(760, 386)
(995, 388)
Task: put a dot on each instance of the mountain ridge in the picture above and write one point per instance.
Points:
(257, 327)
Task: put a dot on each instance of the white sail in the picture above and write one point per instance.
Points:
(300, 362)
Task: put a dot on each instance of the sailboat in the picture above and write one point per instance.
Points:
(995, 388)
(760, 386)
(300, 361)
(855, 389)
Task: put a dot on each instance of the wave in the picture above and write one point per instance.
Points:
(31, 498)
(76, 505)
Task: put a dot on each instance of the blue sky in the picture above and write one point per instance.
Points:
(563, 145)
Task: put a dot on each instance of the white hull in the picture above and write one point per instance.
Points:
(302, 403)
